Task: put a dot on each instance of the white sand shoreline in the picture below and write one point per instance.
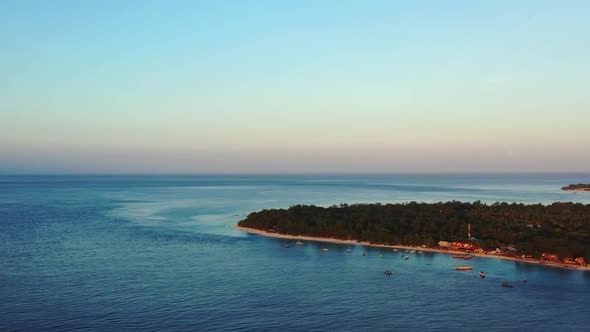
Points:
(442, 251)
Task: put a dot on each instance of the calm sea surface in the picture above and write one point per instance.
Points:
(117, 253)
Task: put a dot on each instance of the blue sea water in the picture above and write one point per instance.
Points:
(123, 253)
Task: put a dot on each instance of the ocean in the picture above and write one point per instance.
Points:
(158, 253)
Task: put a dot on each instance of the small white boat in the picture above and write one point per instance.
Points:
(464, 268)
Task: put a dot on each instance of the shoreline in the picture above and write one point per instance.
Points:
(442, 251)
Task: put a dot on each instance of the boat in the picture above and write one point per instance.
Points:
(507, 284)
(349, 251)
(407, 257)
(468, 257)
(420, 252)
(324, 249)
(395, 250)
(299, 243)
(482, 274)
(525, 280)
(388, 273)
(459, 256)
(285, 245)
(464, 268)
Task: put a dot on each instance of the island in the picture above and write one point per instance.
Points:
(577, 187)
(557, 234)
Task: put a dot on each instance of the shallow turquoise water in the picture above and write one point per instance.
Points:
(158, 252)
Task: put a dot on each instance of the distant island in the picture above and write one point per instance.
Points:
(558, 233)
(577, 187)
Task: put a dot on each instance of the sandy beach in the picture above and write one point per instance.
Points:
(442, 251)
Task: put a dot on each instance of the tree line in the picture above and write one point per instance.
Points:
(559, 228)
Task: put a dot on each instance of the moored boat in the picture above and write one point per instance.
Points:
(467, 257)
(464, 268)
(407, 257)
(482, 274)
(299, 243)
(507, 284)
(285, 245)
(324, 249)
(388, 272)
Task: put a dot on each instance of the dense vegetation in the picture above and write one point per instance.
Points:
(560, 228)
(579, 186)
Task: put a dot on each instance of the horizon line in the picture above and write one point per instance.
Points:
(286, 173)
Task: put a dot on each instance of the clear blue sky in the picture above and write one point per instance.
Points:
(294, 86)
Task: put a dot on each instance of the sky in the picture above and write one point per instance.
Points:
(294, 86)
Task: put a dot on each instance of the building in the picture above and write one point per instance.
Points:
(550, 257)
